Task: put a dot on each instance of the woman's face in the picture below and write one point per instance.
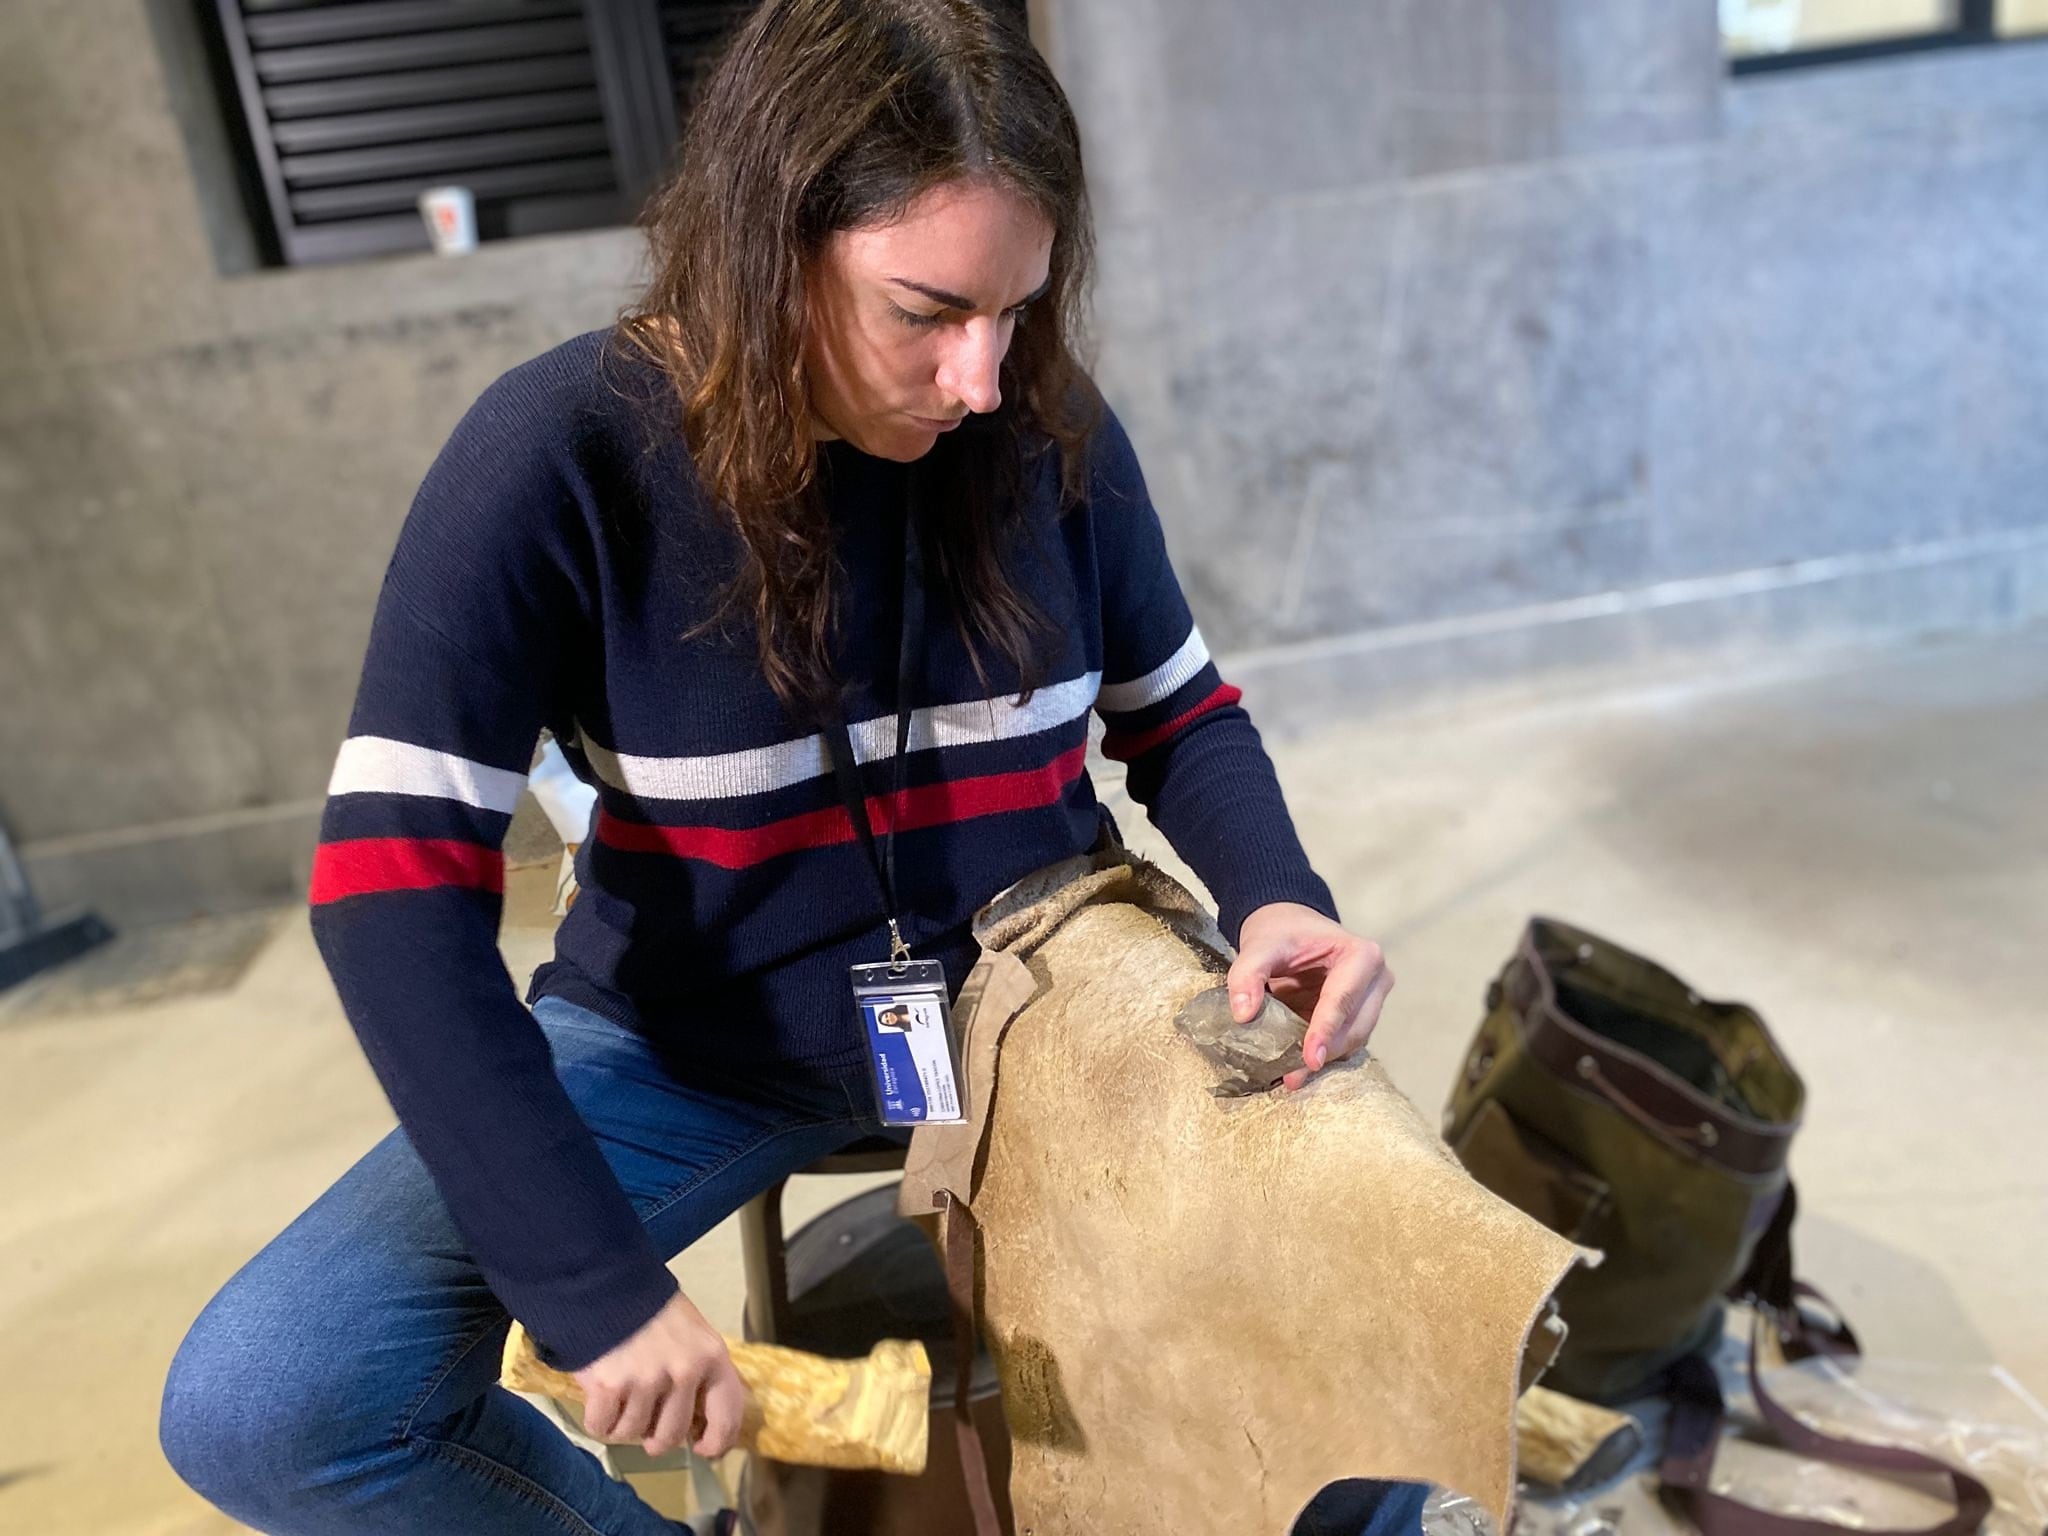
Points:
(909, 322)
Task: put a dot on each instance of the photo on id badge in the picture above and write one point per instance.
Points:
(913, 1059)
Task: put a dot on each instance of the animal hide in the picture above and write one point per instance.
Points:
(1207, 1301)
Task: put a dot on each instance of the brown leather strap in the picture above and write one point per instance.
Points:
(1697, 1413)
(1667, 1107)
(956, 1225)
(1767, 1285)
(1697, 1409)
(953, 1156)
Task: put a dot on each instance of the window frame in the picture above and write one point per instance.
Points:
(1976, 27)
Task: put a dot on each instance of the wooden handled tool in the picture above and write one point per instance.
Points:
(801, 1408)
(1566, 1444)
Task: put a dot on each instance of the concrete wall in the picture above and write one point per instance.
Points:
(201, 476)
(1463, 340)
(1468, 340)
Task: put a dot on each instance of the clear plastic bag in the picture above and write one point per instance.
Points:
(1453, 1514)
(1628, 1504)
(1978, 1419)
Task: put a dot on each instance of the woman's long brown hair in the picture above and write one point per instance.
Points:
(829, 115)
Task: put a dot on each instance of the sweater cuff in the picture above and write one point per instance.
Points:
(1246, 896)
(575, 1322)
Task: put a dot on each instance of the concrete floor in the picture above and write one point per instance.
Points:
(1856, 844)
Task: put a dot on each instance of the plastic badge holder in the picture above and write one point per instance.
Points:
(913, 1059)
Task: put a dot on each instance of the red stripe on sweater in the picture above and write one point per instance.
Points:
(1120, 748)
(927, 805)
(365, 866)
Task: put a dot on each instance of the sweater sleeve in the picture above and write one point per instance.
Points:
(479, 612)
(1194, 758)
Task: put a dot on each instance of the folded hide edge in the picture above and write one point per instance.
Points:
(1204, 1311)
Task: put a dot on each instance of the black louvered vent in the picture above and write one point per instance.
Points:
(354, 107)
(556, 114)
(692, 33)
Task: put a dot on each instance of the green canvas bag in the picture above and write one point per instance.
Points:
(1609, 1100)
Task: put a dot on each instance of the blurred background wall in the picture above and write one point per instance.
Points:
(1465, 339)
(1464, 342)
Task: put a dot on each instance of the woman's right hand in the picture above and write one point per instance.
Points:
(672, 1383)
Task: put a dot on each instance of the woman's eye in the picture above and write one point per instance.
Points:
(911, 317)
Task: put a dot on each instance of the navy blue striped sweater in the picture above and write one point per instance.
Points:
(554, 560)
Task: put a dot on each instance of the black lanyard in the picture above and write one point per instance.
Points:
(839, 743)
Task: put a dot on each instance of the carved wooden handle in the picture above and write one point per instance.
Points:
(1558, 1438)
(801, 1408)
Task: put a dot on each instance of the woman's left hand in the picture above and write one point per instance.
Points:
(1336, 980)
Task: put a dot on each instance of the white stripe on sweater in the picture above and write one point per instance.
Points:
(377, 765)
(1160, 682)
(757, 770)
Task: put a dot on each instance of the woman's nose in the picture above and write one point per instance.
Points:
(972, 371)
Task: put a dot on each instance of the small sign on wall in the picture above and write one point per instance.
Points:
(450, 213)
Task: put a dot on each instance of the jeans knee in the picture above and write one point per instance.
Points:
(192, 1422)
(239, 1422)
(212, 1399)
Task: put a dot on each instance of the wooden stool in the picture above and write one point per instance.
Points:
(762, 1241)
(766, 1319)
(861, 1273)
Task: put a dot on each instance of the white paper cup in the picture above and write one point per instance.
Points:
(450, 213)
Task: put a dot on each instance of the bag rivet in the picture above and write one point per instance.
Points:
(1693, 999)
(1585, 951)
(1708, 1135)
(1588, 1066)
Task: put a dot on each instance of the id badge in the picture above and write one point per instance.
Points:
(913, 1061)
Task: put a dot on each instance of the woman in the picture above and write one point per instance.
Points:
(682, 548)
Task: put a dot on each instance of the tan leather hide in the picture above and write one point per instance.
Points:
(1204, 1310)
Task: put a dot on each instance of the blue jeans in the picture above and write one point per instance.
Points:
(345, 1381)
(1360, 1506)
